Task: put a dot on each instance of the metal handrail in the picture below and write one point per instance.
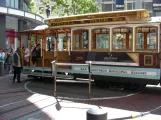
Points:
(54, 73)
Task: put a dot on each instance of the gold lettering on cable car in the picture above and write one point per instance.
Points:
(79, 58)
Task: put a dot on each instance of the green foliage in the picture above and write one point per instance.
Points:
(32, 7)
(45, 2)
(74, 7)
(33, 40)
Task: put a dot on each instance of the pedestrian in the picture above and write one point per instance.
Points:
(36, 53)
(6, 59)
(2, 55)
(17, 65)
(10, 60)
(26, 56)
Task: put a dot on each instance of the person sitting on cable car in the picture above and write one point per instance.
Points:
(36, 53)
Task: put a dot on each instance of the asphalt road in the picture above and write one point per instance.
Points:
(18, 104)
(142, 101)
(76, 90)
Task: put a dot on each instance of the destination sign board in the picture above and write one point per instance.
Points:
(133, 72)
(90, 21)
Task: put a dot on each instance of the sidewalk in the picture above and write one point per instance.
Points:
(69, 110)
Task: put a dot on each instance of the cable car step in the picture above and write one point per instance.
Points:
(64, 76)
(72, 81)
(82, 79)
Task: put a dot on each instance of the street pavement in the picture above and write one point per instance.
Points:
(38, 103)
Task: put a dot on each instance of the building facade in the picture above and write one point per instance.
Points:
(14, 18)
(157, 7)
(152, 6)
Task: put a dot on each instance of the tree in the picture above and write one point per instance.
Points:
(73, 7)
(32, 7)
(45, 2)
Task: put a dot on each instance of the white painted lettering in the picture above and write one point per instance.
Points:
(138, 73)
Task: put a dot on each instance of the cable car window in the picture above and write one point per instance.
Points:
(63, 40)
(77, 42)
(122, 39)
(85, 39)
(50, 43)
(139, 41)
(146, 38)
(152, 38)
(100, 38)
(80, 39)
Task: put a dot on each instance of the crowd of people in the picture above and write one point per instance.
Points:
(13, 59)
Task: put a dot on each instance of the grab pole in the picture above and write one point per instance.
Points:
(89, 70)
(54, 75)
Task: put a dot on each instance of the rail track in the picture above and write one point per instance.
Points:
(19, 107)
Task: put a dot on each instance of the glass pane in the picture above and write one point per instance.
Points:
(12, 3)
(61, 38)
(16, 4)
(80, 39)
(49, 42)
(77, 42)
(85, 40)
(139, 41)
(25, 6)
(130, 41)
(148, 6)
(106, 7)
(8, 3)
(119, 41)
(53, 43)
(151, 40)
(100, 38)
(63, 42)
(122, 38)
(102, 41)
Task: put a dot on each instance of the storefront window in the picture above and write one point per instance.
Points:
(122, 39)
(11, 37)
(100, 38)
(11, 31)
(80, 39)
(146, 38)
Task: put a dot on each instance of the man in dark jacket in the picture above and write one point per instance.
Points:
(17, 64)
